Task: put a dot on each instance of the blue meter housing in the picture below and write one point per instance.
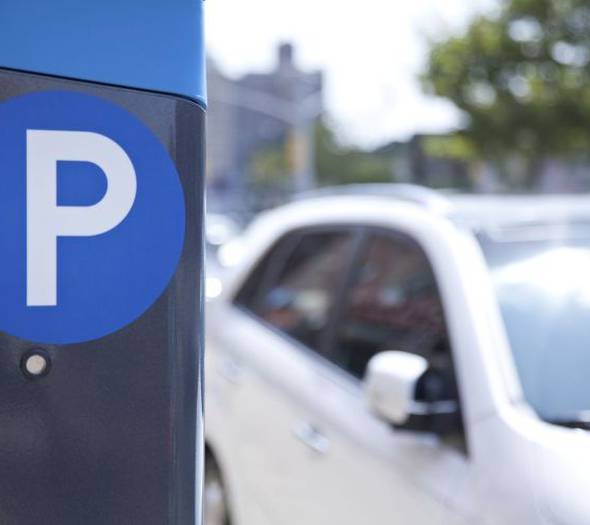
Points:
(144, 44)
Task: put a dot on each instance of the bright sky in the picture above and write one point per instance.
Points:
(370, 50)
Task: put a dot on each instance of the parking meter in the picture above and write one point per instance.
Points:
(101, 264)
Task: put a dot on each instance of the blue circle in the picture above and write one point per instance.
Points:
(106, 281)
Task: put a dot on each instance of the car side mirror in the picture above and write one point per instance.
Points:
(402, 389)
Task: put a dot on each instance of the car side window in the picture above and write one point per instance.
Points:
(298, 293)
(250, 293)
(392, 304)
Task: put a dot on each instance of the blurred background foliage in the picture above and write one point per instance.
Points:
(335, 163)
(521, 80)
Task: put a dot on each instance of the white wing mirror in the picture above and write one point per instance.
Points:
(390, 384)
(393, 383)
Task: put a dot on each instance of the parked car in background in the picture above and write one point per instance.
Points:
(389, 355)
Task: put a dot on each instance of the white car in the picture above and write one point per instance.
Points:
(396, 356)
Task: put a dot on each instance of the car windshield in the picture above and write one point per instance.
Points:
(542, 280)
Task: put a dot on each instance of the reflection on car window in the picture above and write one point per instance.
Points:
(249, 295)
(298, 298)
(393, 304)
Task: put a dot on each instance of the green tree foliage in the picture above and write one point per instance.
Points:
(522, 78)
(337, 164)
(269, 168)
(334, 164)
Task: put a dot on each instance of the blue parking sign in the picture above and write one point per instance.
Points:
(91, 217)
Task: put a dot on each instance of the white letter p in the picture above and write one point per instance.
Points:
(46, 221)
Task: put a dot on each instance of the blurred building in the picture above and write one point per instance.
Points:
(251, 113)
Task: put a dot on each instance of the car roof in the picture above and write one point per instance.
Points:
(475, 211)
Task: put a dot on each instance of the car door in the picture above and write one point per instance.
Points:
(365, 471)
(267, 344)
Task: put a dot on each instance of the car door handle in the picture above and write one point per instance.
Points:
(230, 370)
(311, 437)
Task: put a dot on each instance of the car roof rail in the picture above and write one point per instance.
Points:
(421, 195)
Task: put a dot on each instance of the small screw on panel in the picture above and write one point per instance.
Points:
(35, 363)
